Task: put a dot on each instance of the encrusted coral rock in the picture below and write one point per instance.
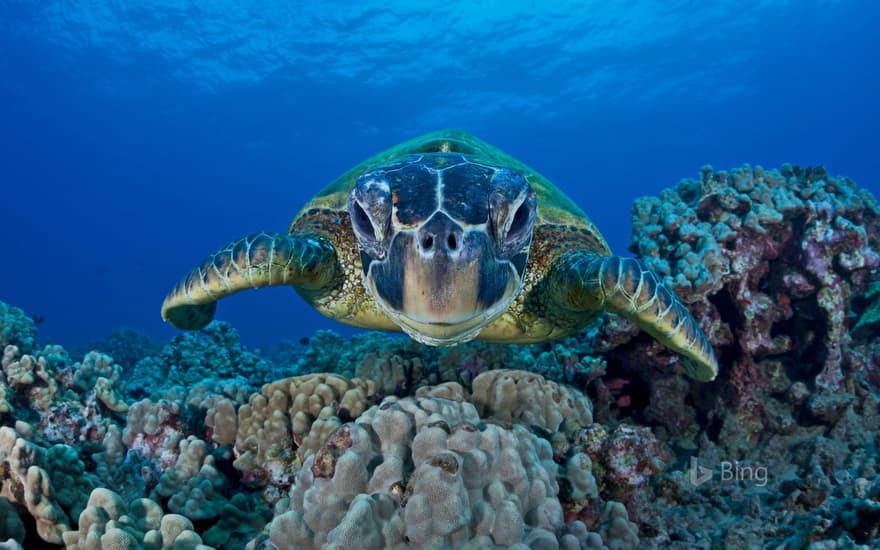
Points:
(97, 372)
(29, 375)
(25, 482)
(69, 478)
(193, 486)
(16, 328)
(241, 519)
(108, 395)
(222, 419)
(153, 429)
(290, 419)
(624, 462)
(5, 394)
(521, 396)
(42, 387)
(94, 366)
(11, 527)
(19, 371)
(579, 473)
(39, 496)
(191, 357)
(869, 319)
(617, 531)
(469, 481)
(107, 522)
(392, 373)
(769, 261)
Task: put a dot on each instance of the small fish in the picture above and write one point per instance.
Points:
(304, 340)
(38, 318)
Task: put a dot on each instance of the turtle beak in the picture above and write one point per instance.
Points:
(443, 284)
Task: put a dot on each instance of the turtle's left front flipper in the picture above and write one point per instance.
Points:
(583, 280)
(305, 261)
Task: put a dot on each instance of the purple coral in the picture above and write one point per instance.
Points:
(769, 261)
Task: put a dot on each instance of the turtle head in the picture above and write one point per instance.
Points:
(444, 242)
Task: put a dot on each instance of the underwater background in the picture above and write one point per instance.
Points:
(730, 146)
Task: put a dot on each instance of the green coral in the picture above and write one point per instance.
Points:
(69, 478)
(869, 320)
(242, 519)
(193, 357)
(11, 526)
(16, 329)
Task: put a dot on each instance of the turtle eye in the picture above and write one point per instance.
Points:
(369, 208)
(519, 228)
(512, 205)
(519, 224)
(361, 222)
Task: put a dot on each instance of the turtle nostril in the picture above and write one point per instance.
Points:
(428, 242)
(451, 242)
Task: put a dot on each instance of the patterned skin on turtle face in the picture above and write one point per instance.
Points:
(444, 242)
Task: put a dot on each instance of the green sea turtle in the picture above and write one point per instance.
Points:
(448, 239)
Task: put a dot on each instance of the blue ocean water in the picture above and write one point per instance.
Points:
(137, 137)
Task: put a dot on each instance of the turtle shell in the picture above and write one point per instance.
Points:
(554, 210)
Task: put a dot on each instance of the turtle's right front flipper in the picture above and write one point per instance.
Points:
(588, 281)
(305, 261)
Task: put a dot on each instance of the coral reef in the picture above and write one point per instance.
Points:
(289, 420)
(16, 329)
(770, 262)
(528, 398)
(594, 441)
(126, 346)
(191, 357)
(399, 366)
(422, 471)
